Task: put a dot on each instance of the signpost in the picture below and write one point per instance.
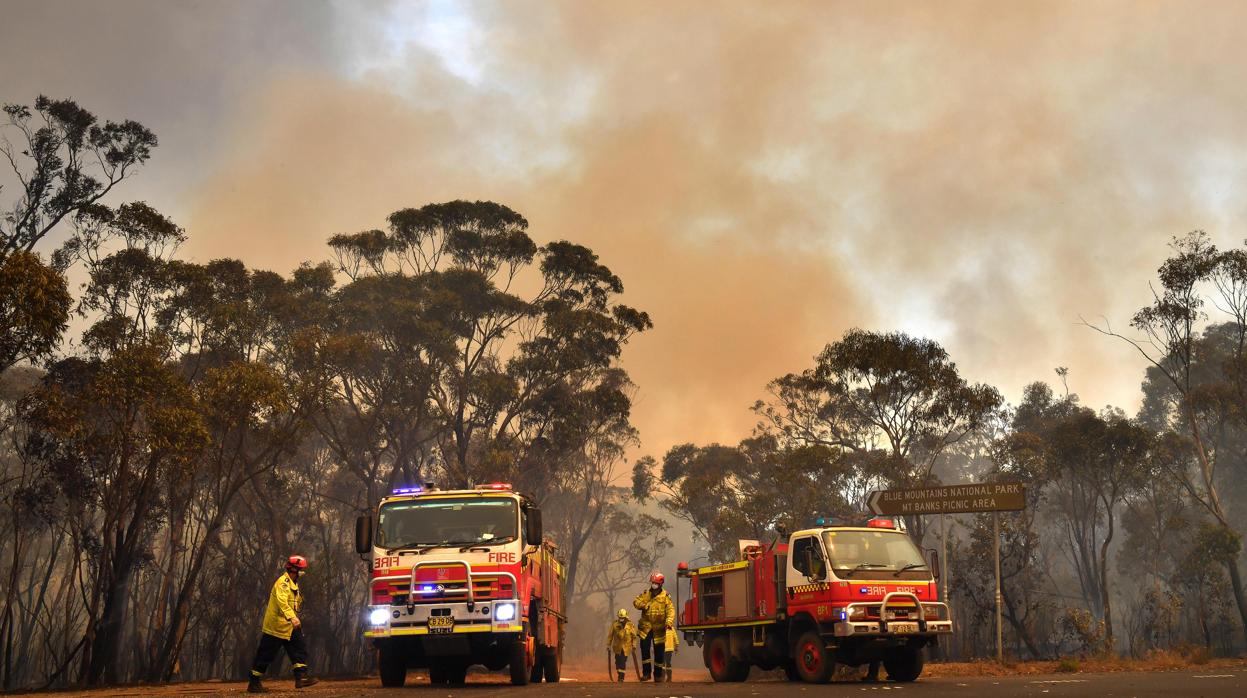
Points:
(993, 497)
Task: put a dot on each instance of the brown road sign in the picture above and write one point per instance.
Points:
(954, 499)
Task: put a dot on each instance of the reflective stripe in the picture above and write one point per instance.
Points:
(298, 666)
(257, 674)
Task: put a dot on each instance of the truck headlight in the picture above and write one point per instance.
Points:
(379, 616)
(504, 611)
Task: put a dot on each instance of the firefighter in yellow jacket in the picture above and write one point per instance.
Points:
(620, 639)
(283, 629)
(656, 629)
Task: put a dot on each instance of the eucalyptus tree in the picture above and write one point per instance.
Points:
(748, 491)
(898, 402)
(64, 162)
(1200, 389)
(447, 367)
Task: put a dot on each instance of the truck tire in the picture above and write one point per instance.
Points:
(457, 674)
(518, 655)
(814, 663)
(550, 664)
(393, 667)
(723, 667)
(903, 663)
(438, 674)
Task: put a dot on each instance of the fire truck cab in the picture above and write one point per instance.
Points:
(462, 577)
(827, 595)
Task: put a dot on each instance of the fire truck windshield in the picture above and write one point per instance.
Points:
(457, 521)
(875, 554)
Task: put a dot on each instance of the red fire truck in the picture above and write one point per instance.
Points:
(462, 577)
(831, 594)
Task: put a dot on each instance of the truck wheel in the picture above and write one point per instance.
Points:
(550, 659)
(518, 655)
(437, 675)
(903, 663)
(742, 671)
(718, 656)
(393, 666)
(457, 674)
(813, 661)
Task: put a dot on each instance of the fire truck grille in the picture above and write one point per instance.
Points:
(396, 592)
(894, 611)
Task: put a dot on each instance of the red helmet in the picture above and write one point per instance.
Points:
(657, 578)
(297, 562)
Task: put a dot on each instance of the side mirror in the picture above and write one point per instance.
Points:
(363, 534)
(534, 526)
(935, 565)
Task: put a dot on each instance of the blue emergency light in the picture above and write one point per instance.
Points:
(407, 490)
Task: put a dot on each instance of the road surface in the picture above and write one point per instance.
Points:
(1211, 682)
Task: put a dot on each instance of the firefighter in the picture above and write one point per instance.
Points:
(656, 628)
(620, 639)
(283, 629)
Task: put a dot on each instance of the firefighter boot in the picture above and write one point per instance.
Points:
(658, 677)
(872, 673)
(301, 679)
(255, 686)
(621, 677)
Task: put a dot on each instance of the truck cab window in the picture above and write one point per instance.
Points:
(807, 557)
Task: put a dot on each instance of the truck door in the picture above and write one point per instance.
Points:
(807, 562)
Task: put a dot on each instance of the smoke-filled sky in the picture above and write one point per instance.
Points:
(762, 175)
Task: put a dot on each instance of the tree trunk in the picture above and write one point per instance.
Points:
(1105, 603)
(1019, 628)
(1214, 500)
(1240, 597)
(7, 620)
(170, 649)
(106, 645)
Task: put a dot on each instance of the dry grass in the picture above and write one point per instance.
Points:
(1156, 661)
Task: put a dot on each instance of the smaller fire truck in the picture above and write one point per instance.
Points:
(462, 577)
(828, 595)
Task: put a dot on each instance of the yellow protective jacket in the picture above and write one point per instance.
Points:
(284, 603)
(621, 636)
(658, 612)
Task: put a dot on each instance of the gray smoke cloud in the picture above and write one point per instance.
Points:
(762, 176)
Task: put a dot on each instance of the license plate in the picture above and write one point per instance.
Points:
(441, 625)
(902, 627)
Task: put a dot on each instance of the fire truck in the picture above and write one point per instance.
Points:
(462, 577)
(827, 595)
